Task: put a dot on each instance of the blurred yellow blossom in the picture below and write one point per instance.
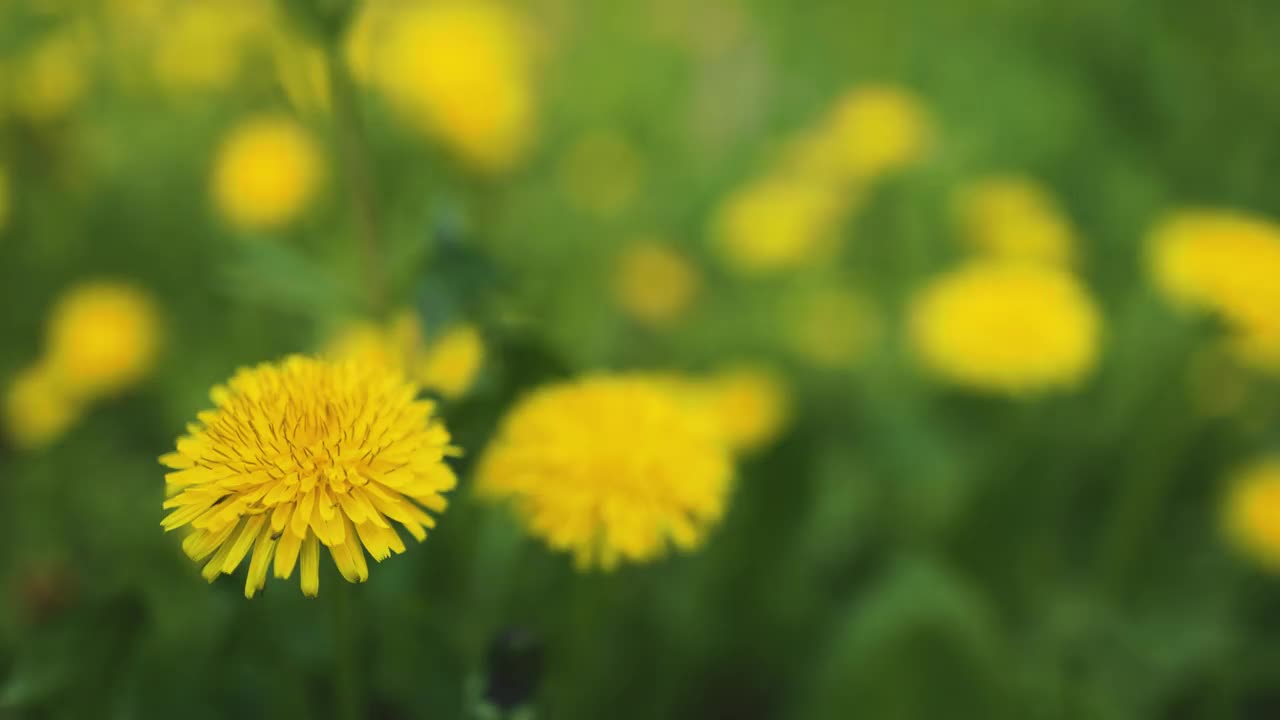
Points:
(829, 327)
(654, 284)
(52, 78)
(103, 337)
(460, 71)
(777, 223)
(1016, 218)
(451, 362)
(879, 129)
(750, 405)
(448, 364)
(1004, 326)
(38, 410)
(307, 453)
(1252, 511)
(601, 173)
(609, 468)
(1221, 261)
(202, 44)
(265, 172)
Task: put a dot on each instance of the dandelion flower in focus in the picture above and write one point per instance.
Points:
(302, 454)
(830, 327)
(777, 223)
(1252, 511)
(609, 468)
(265, 173)
(102, 337)
(38, 410)
(1014, 218)
(51, 79)
(460, 71)
(654, 284)
(1225, 263)
(878, 130)
(601, 173)
(452, 361)
(1006, 327)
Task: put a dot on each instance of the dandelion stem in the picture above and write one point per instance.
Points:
(346, 681)
(354, 149)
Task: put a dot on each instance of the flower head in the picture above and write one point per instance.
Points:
(777, 223)
(102, 338)
(654, 284)
(610, 468)
(460, 71)
(1015, 218)
(305, 453)
(750, 405)
(448, 364)
(1252, 511)
(879, 129)
(1006, 327)
(201, 45)
(266, 171)
(451, 362)
(38, 410)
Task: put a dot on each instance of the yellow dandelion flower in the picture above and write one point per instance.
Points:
(38, 410)
(601, 173)
(654, 284)
(204, 43)
(1252, 511)
(777, 223)
(451, 362)
(1016, 218)
(265, 173)
(750, 405)
(609, 468)
(830, 327)
(879, 129)
(1011, 327)
(51, 79)
(1220, 261)
(371, 345)
(305, 453)
(102, 337)
(460, 71)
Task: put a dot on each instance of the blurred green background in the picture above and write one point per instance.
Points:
(904, 547)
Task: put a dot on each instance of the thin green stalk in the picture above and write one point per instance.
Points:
(346, 653)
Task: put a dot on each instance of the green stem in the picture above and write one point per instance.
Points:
(346, 651)
(354, 149)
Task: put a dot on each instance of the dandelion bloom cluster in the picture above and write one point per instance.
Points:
(654, 284)
(1015, 218)
(305, 453)
(1007, 327)
(1225, 263)
(609, 468)
(461, 71)
(448, 364)
(1252, 511)
(265, 173)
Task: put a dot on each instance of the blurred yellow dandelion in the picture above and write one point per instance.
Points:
(1252, 511)
(609, 468)
(879, 129)
(38, 410)
(203, 43)
(451, 362)
(265, 173)
(601, 173)
(305, 453)
(1002, 326)
(777, 223)
(102, 337)
(460, 71)
(52, 78)
(1016, 218)
(750, 405)
(654, 284)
